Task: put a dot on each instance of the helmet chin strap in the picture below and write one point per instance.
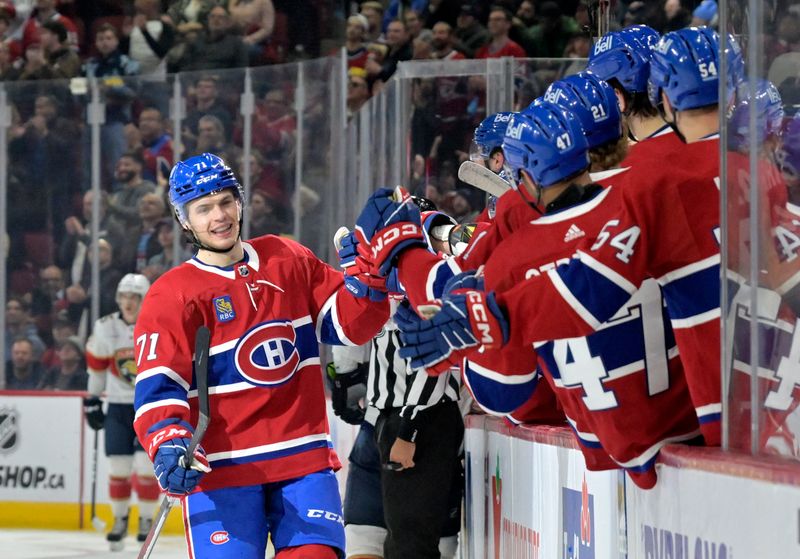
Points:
(671, 123)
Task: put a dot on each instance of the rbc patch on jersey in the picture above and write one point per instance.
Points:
(224, 308)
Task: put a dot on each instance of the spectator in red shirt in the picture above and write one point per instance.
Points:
(46, 11)
(500, 45)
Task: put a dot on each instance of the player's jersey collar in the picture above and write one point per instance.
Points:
(229, 272)
(663, 131)
(573, 211)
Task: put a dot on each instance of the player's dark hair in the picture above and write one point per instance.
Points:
(637, 104)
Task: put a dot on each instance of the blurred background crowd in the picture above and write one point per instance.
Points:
(137, 50)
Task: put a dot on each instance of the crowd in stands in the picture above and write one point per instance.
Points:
(447, 109)
(131, 46)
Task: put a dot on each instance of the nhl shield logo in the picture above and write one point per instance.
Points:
(8, 429)
(224, 308)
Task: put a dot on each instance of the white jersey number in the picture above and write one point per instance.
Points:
(578, 367)
(141, 341)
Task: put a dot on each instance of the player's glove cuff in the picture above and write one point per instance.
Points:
(388, 243)
(487, 321)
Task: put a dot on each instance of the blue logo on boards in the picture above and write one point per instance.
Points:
(578, 523)
(224, 308)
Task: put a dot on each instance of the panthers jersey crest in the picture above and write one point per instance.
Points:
(125, 365)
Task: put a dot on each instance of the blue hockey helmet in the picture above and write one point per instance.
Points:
(199, 176)
(621, 57)
(644, 37)
(685, 65)
(489, 133)
(547, 142)
(594, 103)
(769, 115)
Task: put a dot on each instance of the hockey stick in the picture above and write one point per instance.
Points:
(201, 348)
(482, 178)
(97, 522)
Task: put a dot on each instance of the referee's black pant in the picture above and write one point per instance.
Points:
(417, 501)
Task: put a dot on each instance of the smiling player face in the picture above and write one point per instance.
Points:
(214, 220)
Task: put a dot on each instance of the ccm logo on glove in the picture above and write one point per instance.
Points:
(481, 317)
(390, 235)
(167, 434)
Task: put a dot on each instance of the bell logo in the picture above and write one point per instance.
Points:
(603, 45)
(514, 131)
(663, 46)
(219, 537)
(552, 95)
(502, 117)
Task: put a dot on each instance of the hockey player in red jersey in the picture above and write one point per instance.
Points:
(267, 468)
(622, 388)
(622, 58)
(666, 228)
(110, 359)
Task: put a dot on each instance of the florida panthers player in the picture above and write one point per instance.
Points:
(269, 302)
(112, 369)
(666, 228)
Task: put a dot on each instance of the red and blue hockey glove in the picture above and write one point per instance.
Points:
(467, 319)
(357, 279)
(388, 224)
(472, 280)
(361, 283)
(170, 466)
(346, 245)
(93, 409)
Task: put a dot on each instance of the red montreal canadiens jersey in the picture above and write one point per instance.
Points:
(622, 388)
(666, 228)
(267, 315)
(778, 335)
(424, 275)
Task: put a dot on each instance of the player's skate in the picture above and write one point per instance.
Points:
(117, 534)
(144, 528)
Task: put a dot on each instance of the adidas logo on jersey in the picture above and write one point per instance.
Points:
(574, 232)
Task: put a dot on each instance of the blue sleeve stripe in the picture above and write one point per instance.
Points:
(496, 393)
(155, 389)
(693, 295)
(329, 330)
(595, 295)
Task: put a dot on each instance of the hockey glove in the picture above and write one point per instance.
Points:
(466, 320)
(361, 283)
(93, 408)
(170, 466)
(388, 224)
(346, 245)
(347, 389)
(472, 280)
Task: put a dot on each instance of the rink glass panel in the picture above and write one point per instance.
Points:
(761, 236)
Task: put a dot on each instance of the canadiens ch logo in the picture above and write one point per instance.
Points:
(8, 429)
(219, 537)
(224, 308)
(266, 355)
